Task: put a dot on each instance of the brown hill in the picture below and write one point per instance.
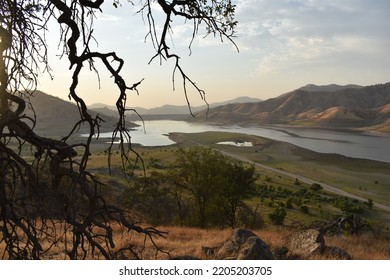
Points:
(56, 117)
(355, 107)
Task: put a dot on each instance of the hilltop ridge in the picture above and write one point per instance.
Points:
(347, 107)
(168, 109)
(328, 88)
(55, 116)
(330, 106)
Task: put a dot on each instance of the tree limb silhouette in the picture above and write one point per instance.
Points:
(47, 193)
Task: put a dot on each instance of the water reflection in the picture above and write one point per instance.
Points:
(356, 145)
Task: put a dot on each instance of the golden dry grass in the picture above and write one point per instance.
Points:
(362, 247)
(182, 241)
(189, 241)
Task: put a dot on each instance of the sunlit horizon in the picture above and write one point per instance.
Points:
(283, 46)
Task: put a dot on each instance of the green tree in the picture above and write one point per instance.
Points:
(315, 187)
(217, 184)
(304, 209)
(277, 216)
(151, 197)
(289, 203)
(369, 203)
(240, 183)
(202, 172)
(53, 180)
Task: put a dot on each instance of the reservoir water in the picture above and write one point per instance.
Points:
(356, 145)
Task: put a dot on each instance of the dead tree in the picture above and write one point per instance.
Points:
(47, 193)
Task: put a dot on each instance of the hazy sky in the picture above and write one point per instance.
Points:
(284, 44)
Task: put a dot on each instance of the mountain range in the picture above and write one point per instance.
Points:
(56, 117)
(333, 106)
(171, 109)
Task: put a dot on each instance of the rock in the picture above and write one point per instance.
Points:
(244, 245)
(239, 236)
(306, 243)
(254, 249)
(185, 257)
(336, 253)
(280, 253)
(227, 250)
(208, 252)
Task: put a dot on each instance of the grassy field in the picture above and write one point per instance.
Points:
(367, 179)
(370, 179)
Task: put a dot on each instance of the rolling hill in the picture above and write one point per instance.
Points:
(352, 107)
(171, 109)
(56, 117)
(328, 88)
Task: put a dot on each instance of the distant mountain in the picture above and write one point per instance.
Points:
(327, 88)
(56, 117)
(169, 109)
(242, 99)
(356, 107)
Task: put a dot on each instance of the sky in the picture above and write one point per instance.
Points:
(283, 45)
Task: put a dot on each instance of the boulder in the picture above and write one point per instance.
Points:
(307, 242)
(185, 257)
(208, 252)
(244, 245)
(280, 253)
(336, 253)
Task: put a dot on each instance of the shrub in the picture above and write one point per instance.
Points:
(289, 203)
(268, 179)
(369, 203)
(277, 216)
(304, 209)
(316, 187)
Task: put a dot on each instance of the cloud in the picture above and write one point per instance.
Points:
(107, 17)
(286, 34)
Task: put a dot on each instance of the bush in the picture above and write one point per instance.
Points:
(304, 209)
(369, 203)
(289, 204)
(277, 216)
(267, 179)
(316, 187)
(248, 217)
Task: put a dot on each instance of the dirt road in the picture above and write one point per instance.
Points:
(327, 187)
(177, 138)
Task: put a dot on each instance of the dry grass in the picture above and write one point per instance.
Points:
(362, 247)
(182, 241)
(189, 241)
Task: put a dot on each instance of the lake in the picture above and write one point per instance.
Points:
(356, 145)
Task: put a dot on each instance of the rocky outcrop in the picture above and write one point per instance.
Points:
(306, 243)
(281, 253)
(185, 257)
(336, 253)
(244, 245)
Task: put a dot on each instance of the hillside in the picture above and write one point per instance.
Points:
(328, 88)
(354, 107)
(56, 116)
(171, 110)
